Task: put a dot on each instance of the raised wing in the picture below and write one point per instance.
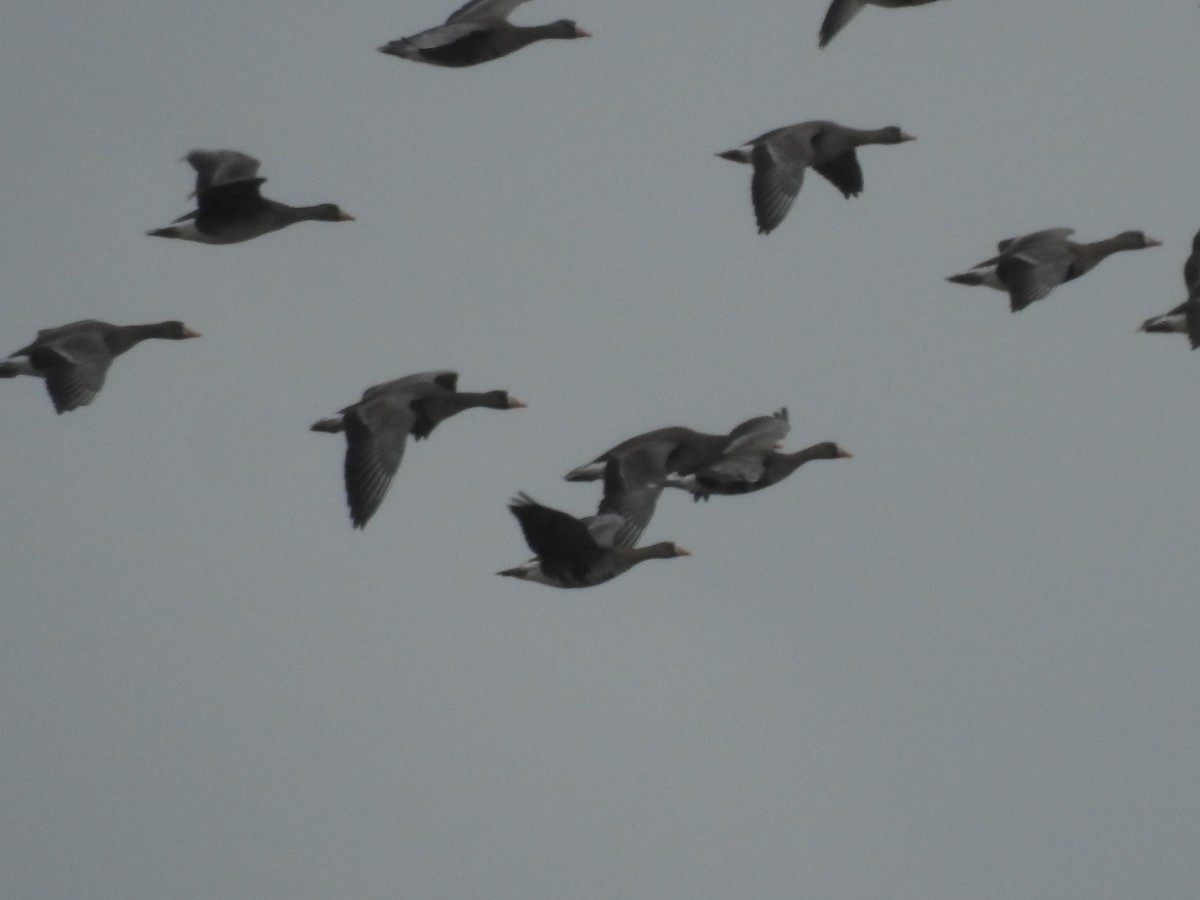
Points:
(484, 9)
(553, 535)
(759, 433)
(217, 167)
(1012, 245)
(443, 378)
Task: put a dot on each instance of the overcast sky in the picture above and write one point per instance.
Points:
(962, 664)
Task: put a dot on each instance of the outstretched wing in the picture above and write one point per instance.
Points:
(376, 432)
(838, 17)
(74, 369)
(776, 183)
(632, 485)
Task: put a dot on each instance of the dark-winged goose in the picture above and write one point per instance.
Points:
(684, 450)
(780, 157)
(842, 11)
(229, 207)
(1031, 266)
(1185, 318)
(378, 425)
(576, 553)
(73, 359)
(477, 33)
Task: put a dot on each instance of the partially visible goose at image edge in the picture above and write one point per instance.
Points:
(1031, 266)
(477, 33)
(577, 553)
(781, 155)
(842, 11)
(229, 207)
(1185, 318)
(378, 425)
(74, 359)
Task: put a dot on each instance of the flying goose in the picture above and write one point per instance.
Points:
(378, 425)
(477, 33)
(229, 207)
(1185, 318)
(1031, 266)
(73, 359)
(780, 157)
(575, 553)
(685, 450)
(745, 473)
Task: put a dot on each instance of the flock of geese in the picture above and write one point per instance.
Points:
(570, 552)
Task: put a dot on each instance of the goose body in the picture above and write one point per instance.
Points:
(684, 450)
(1029, 267)
(74, 359)
(477, 33)
(744, 473)
(378, 425)
(229, 206)
(781, 156)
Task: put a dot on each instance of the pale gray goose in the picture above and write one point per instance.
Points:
(577, 553)
(73, 359)
(1031, 266)
(780, 157)
(1185, 318)
(378, 425)
(745, 473)
(842, 11)
(229, 207)
(686, 449)
(477, 33)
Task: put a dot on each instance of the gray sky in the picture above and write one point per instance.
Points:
(961, 665)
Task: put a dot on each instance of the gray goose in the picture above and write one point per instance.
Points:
(477, 33)
(378, 425)
(842, 11)
(577, 553)
(1031, 266)
(1185, 318)
(229, 207)
(745, 473)
(780, 157)
(74, 359)
(685, 450)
